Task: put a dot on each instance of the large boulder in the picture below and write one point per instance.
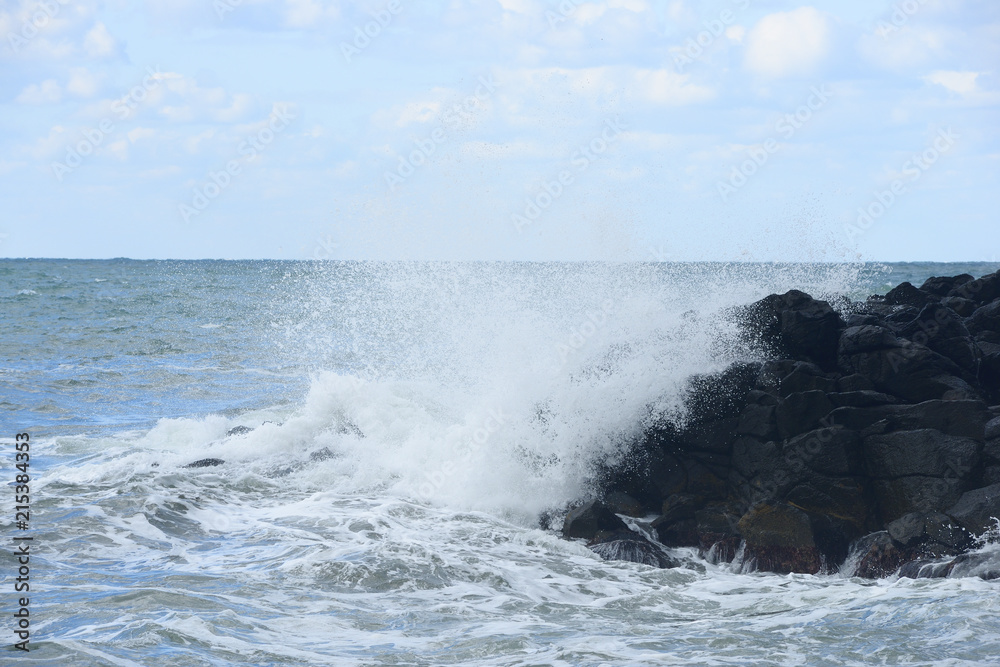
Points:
(590, 519)
(632, 547)
(796, 325)
(921, 470)
(978, 511)
(779, 538)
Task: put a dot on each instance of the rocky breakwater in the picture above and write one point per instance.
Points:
(870, 430)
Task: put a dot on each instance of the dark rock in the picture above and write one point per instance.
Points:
(794, 324)
(860, 399)
(991, 429)
(838, 506)
(205, 463)
(803, 412)
(832, 451)
(632, 547)
(591, 519)
(717, 530)
(929, 534)
(905, 294)
(853, 383)
(682, 533)
(715, 436)
(966, 419)
(991, 475)
(720, 396)
(758, 421)
(926, 452)
(869, 338)
(898, 497)
(911, 371)
(978, 510)
(861, 319)
(679, 507)
(983, 290)
(805, 377)
(878, 556)
(943, 286)
(622, 503)
(926, 569)
(986, 318)
(238, 430)
(779, 538)
(962, 307)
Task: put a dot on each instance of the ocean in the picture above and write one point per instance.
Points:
(389, 436)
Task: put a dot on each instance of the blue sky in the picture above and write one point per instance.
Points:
(501, 129)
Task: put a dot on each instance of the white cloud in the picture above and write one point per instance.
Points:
(906, 49)
(99, 43)
(81, 82)
(736, 33)
(47, 92)
(787, 43)
(962, 83)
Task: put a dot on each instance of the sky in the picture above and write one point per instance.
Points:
(618, 130)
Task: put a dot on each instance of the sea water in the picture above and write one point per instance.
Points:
(406, 425)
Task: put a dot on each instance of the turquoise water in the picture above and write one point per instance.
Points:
(409, 421)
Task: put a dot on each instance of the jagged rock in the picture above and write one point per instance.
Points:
(978, 511)
(717, 531)
(622, 503)
(832, 451)
(204, 463)
(683, 533)
(986, 318)
(854, 383)
(780, 539)
(759, 421)
(797, 325)
(929, 534)
(720, 396)
(806, 377)
(802, 412)
(591, 519)
(943, 286)
(861, 399)
(238, 430)
(983, 290)
(962, 307)
(905, 294)
(878, 556)
(991, 429)
(632, 547)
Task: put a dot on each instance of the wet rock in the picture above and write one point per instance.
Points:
(205, 463)
(982, 290)
(632, 547)
(622, 503)
(759, 421)
(806, 377)
(238, 430)
(962, 307)
(905, 294)
(780, 539)
(591, 519)
(929, 534)
(832, 451)
(802, 412)
(878, 556)
(795, 324)
(717, 530)
(978, 511)
(986, 318)
(945, 285)
(926, 452)
(683, 533)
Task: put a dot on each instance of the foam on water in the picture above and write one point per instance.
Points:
(389, 515)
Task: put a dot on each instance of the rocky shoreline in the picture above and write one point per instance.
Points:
(872, 431)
